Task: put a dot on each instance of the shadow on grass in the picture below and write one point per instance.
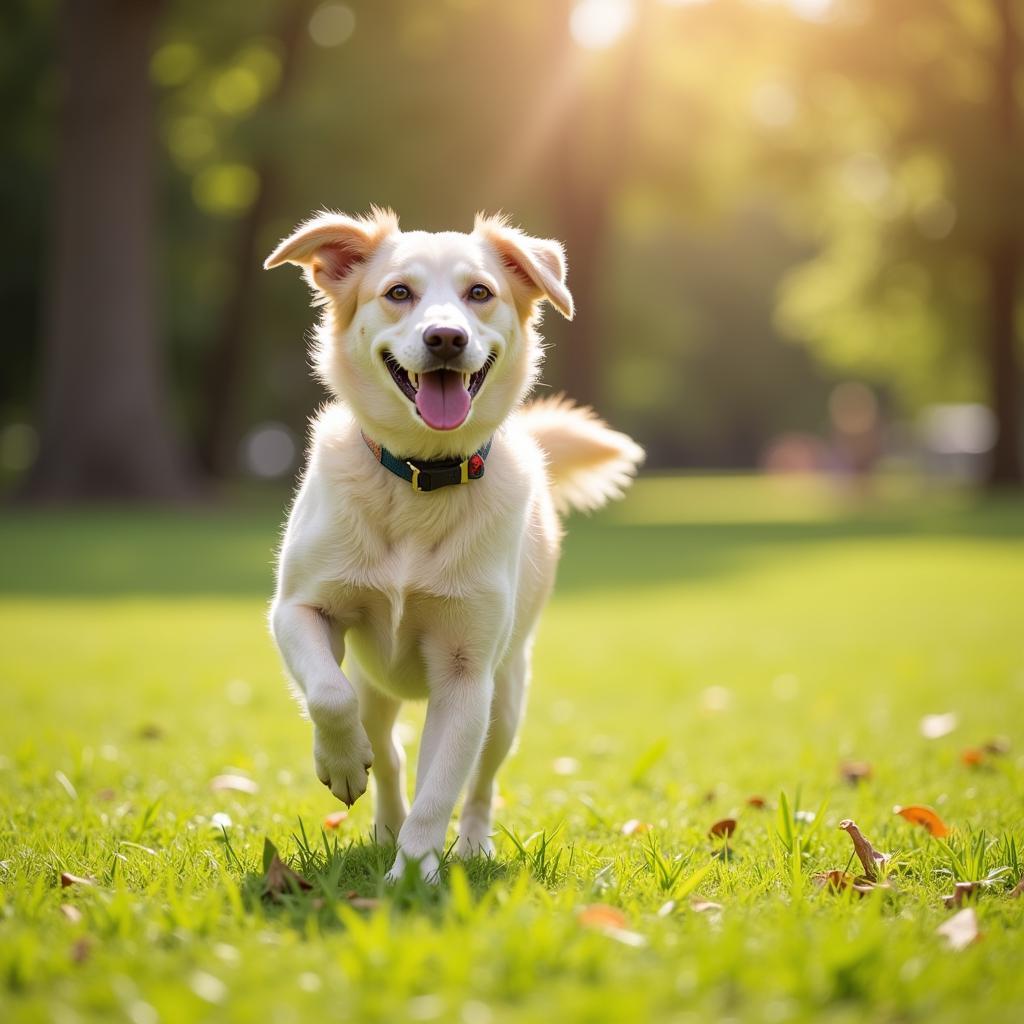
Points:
(351, 876)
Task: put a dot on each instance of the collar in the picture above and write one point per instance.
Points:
(431, 475)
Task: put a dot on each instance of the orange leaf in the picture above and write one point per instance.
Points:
(926, 818)
(723, 829)
(757, 801)
(973, 756)
(601, 916)
(834, 880)
(335, 818)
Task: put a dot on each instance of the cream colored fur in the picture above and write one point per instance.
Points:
(385, 594)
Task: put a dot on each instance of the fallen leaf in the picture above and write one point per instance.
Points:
(934, 727)
(235, 783)
(666, 908)
(278, 877)
(962, 891)
(834, 880)
(335, 818)
(67, 879)
(705, 906)
(602, 917)
(869, 857)
(757, 801)
(998, 745)
(151, 731)
(636, 827)
(364, 902)
(106, 794)
(925, 817)
(81, 949)
(72, 913)
(973, 757)
(1018, 890)
(723, 829)
(854, 772)
(960, 930)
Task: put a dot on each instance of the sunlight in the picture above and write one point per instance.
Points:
(598, 24)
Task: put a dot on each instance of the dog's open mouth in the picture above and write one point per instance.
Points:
(442, 397)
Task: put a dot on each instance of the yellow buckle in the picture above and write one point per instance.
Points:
(464, 471)
(415, 477)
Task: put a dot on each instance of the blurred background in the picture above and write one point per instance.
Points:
(794, 226)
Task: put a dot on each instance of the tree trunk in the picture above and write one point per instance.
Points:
(225, 376)
(1004, 265)
(104, 424)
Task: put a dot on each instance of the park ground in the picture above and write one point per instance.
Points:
(714, 644)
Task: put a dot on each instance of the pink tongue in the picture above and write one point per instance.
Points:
(442, 400)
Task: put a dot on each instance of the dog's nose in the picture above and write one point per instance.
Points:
(445, 342)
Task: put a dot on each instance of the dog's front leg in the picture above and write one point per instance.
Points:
(458, 712)
(312, 651)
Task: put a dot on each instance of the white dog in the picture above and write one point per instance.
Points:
(424, 538)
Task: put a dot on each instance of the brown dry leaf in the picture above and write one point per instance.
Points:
(234, 783)
(960, 930)
(81, 949)
(72, 913)
(335, 818)
(834, 880)
(723, 829)
(636, 827)
(854, 772)
(925, 817)
(973, 757)
(602, 917)
(67, 880)
(962, 891)
(1018, 890)
(282, 879)
(869, 857)
(757, 801)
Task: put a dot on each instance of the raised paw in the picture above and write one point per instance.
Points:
(342, 757)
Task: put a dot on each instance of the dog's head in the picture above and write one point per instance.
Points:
(430, 338)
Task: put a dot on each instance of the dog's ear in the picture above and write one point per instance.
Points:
(330, 246)
(536, 266)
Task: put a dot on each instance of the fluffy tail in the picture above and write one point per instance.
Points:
(588, 462)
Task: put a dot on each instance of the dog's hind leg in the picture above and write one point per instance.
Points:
(379, 712)
(511, 682)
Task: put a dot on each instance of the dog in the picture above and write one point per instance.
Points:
(424, 536)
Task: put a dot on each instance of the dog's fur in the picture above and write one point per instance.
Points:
(428, 595)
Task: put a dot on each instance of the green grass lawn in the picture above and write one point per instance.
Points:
(711, 640)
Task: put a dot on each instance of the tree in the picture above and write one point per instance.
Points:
(105, 431)
(918, 277)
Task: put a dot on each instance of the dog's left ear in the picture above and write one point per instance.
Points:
(536, 266)
(331, 246)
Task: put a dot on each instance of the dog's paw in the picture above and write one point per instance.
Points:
(474, 840)
(342, 757)
(428, 867)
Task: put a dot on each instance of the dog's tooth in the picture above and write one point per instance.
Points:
(466, 377)
(414, 379)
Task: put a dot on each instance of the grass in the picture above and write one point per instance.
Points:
(711, 640)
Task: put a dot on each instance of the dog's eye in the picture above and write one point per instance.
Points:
(480, 293)
(398, 293)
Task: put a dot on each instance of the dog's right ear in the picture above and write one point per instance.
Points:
(330, 246)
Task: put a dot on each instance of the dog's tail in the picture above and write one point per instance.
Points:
(588, 462)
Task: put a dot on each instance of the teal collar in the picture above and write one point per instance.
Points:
(432, 475)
